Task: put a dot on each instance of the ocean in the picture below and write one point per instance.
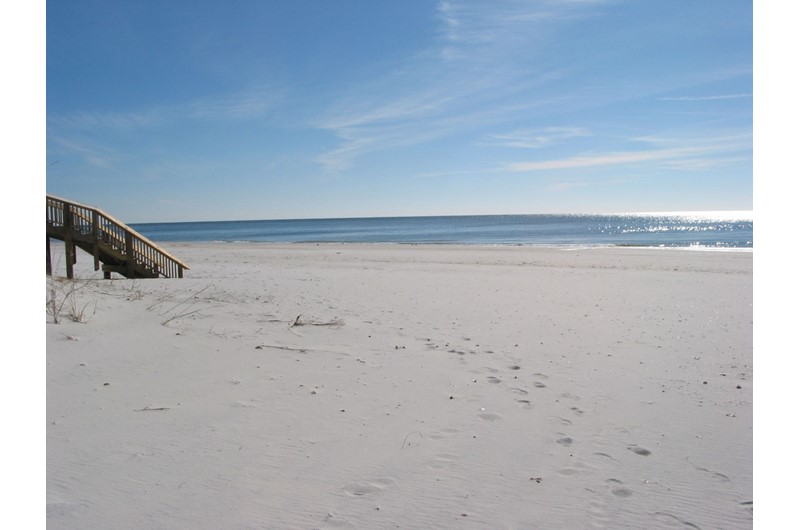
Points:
(718, 230)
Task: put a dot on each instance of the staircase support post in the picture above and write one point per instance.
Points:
(69, 256)
(96, 240)
(49, 261)
(69, 248)
(129, 253)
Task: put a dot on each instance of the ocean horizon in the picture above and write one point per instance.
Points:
(713, 230)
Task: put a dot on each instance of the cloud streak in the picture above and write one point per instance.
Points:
(537, 138)
(478, 23)
(611, 159)
(477, 72)
(707, 98)
(98, 157)
(233, 107)
(699, 154)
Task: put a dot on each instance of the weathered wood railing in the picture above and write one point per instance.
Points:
(132, 254)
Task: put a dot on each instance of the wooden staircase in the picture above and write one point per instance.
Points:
(118, 247)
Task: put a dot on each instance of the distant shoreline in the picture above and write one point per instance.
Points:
(637, 230)
(693, 248)
(740, 215)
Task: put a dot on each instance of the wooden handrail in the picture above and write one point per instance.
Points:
(101, 227)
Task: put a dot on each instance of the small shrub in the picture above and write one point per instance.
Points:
(62, 301)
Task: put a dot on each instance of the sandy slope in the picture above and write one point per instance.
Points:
(346, 386)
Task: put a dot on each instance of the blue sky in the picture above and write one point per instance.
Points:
(200, 110)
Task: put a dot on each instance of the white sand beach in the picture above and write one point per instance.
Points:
(391, 386)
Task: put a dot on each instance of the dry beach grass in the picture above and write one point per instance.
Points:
(385, 386)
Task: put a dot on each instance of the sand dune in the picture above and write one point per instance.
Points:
(384, 386)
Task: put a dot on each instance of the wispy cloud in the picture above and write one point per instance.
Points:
(467, 24)
(706, 98)
(92, 155)
(377, 123)
(569, 185)
(688, 154)
(231, 107)
(476, 72)
(566, 186)
(717, 141)
(94, 120)
(537, 138)
(610, 159)
(354, 143)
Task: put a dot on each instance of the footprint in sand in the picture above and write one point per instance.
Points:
(518, 390)
(493, 379)
(360, 489)
(565, 440)
(245, 404)
(639, 450)
(616, 488)
(537, 384)
(442, 461)
(60, 509)
(570, 471)
(441, 434)
(669, 517)
(560, 421)
(717, 476)
(605, 458)
(489, 416)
